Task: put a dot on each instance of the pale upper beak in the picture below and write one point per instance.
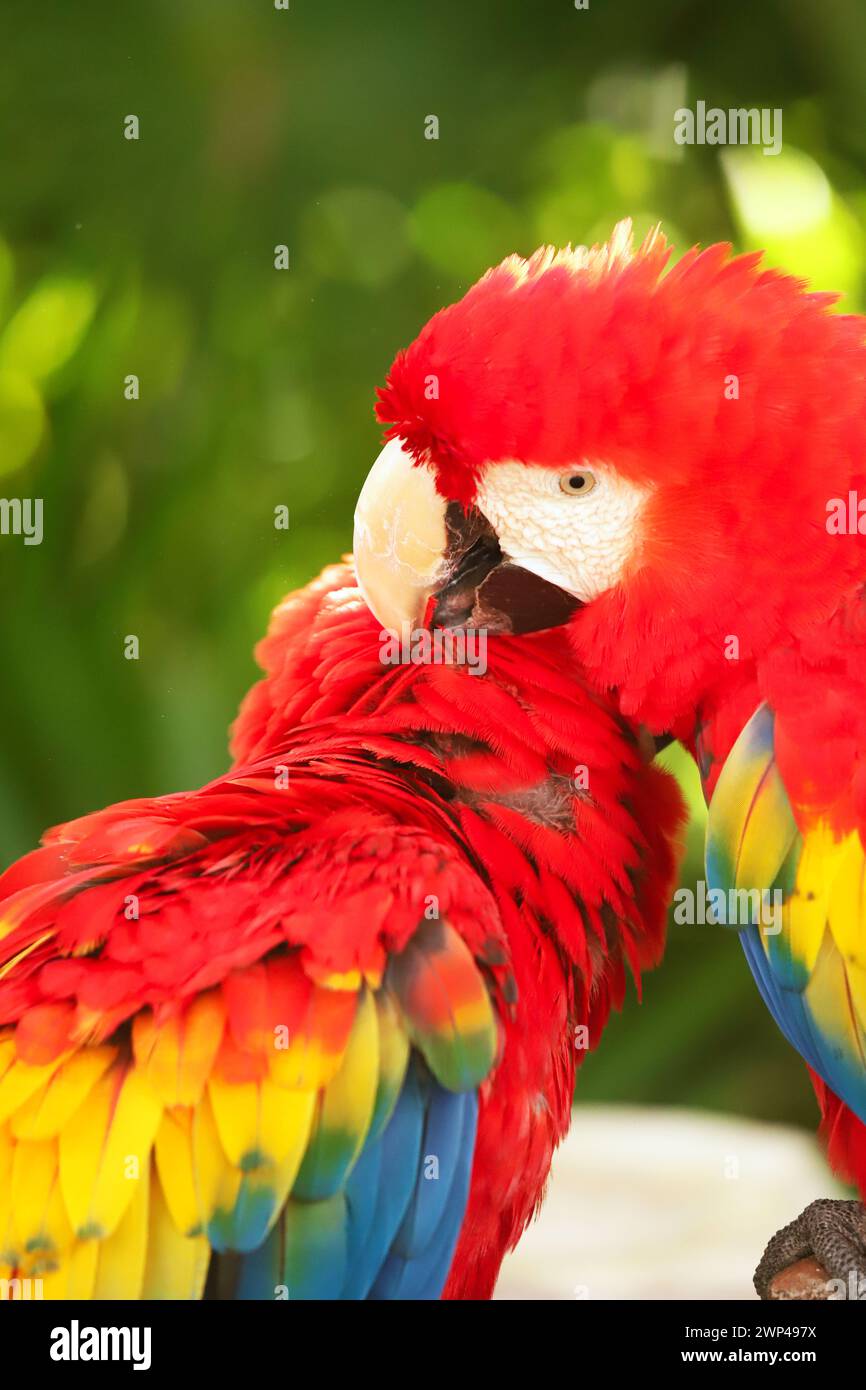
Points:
(400, 538)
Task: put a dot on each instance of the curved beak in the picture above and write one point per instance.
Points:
(401, 539)
(426, 562)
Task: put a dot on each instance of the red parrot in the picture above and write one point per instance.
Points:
(311, 1031)
(679, 454)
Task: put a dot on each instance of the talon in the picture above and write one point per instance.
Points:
(824, 1247)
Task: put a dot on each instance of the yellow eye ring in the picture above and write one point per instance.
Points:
(577, 482)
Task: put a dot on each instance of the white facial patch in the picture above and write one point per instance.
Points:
(579, 541)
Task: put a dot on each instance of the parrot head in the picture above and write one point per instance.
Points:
(643, 455)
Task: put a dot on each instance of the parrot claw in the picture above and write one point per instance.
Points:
(830, 1234)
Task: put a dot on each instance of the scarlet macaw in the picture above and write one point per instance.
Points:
(683, 454)
(312, 1030)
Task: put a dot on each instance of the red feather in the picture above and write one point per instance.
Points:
(332, 869)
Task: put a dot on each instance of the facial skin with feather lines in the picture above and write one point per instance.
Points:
(577, 528)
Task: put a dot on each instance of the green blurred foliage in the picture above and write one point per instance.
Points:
(261, 127)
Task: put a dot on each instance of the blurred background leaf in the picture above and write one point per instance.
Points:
(305, 128)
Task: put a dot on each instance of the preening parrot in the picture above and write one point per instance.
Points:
(311, 1031)
(680, 450)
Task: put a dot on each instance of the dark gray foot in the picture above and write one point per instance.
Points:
(831, 1231)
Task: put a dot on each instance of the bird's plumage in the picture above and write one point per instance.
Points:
(735, 400)
(311, 1028)
(806, 944)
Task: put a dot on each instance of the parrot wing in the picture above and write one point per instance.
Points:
(800, 904)
(242, 1033)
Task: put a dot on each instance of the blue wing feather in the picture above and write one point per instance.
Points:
(418, 1265)
(391, 1233)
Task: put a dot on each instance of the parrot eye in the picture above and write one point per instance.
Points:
(577, 484)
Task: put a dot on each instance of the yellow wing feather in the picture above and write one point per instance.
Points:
(124, 1165)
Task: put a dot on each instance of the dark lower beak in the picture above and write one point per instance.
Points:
(486, 589)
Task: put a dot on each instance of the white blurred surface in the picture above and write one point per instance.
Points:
(647, 1203)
